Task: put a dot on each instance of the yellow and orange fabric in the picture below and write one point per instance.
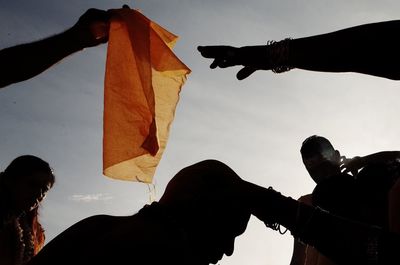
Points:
(143, 80)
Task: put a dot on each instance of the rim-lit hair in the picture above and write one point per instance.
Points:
(27, 165)
(316, 145)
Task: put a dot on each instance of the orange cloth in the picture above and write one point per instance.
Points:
(142, 84)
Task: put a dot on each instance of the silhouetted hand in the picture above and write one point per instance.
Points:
(351, 165)
(92, 27)
(253, 58)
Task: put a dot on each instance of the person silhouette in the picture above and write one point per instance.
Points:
(322, 162)
(362, 196)
(23, 185)
(195, 222)
(204, 207)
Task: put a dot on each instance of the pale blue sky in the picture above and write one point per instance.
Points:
(256, 126)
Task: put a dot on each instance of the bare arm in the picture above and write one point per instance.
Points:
(342, 240)
(369, 49)
(25, 61)
(381, 157)
(354, 164)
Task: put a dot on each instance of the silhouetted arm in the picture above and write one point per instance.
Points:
(371, 49)
(25, 61)
(342, 240)
(356, 163)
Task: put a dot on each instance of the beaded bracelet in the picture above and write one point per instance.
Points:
(278, 54)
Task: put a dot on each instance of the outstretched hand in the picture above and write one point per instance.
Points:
(253, 58)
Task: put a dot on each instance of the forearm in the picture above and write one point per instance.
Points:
(28, 60)
(271, 207)
(370, 49)
(381, 157)
(341, 240)
(345, 241)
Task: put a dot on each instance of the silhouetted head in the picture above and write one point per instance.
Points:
(320, 158)
(25, 182)
(206, 199)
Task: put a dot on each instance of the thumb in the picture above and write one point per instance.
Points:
(245, 72)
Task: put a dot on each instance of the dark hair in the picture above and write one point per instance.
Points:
(28, 164)
(199, 181)
(30, 234)
(315, 144)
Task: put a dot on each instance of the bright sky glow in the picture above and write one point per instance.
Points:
(256, 126)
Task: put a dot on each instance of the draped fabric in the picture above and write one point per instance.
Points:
(142, 84)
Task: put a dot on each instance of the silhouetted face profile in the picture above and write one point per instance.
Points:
(320, 158)
(214, 232)
(31, 190)
(207, 199)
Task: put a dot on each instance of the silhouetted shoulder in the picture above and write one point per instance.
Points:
(307, 199)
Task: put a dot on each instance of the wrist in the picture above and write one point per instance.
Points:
(274, 209)
(278, 54)
(75, 39)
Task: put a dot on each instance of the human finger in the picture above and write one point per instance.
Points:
(214, 51)
(94, 14)
(216, 63)
(245, 72)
